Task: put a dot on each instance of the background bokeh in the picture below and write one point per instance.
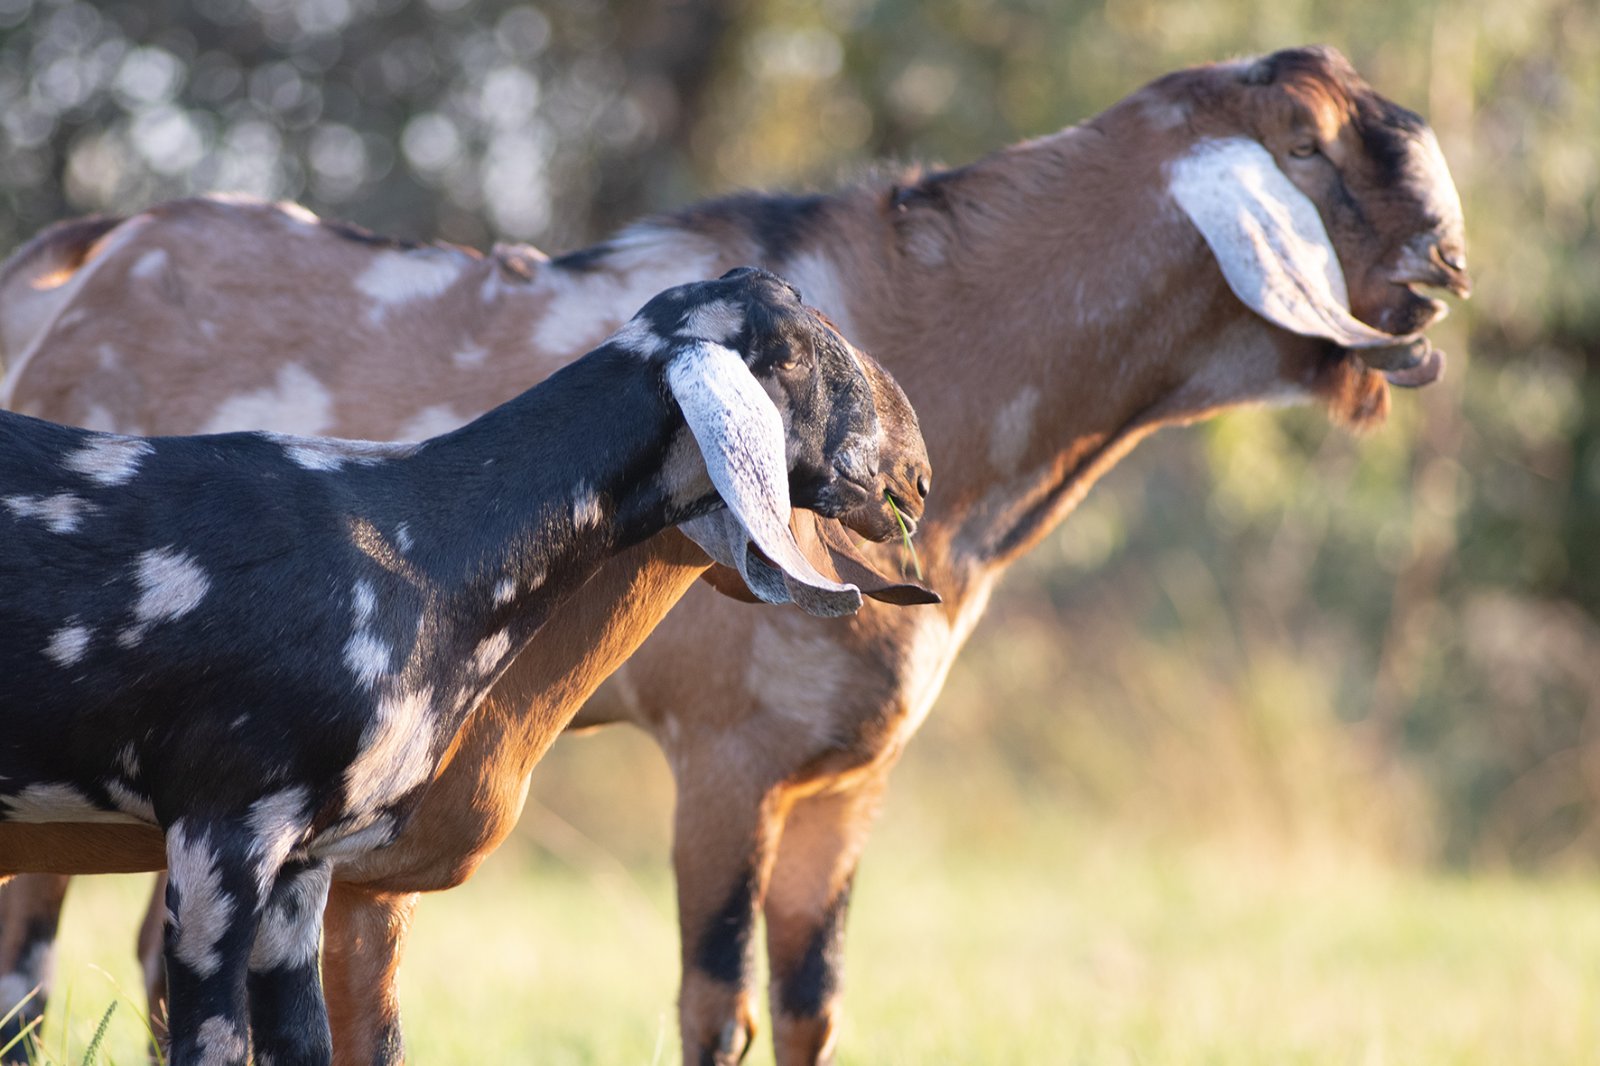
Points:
(1260, 634)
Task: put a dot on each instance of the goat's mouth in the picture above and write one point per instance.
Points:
(877, 513)
(1414, 361)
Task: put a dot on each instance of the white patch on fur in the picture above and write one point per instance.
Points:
(365, 654)
(276, 823)
(204, 909)
(1011, 430)
(109, 460)
(39, 804)
(643, 260)
(149, 264)
(821, 286)
(398, 277)
(636, 336)
(797, 675)
(135, 805)
(128, 760)
(718, 321)
(470, 358)
(296, 402)
(586, 510)
(354, 837)
(490, 652)
(395, 754)
(68, 644)
(367, 657)
(331, 453)
(291, 927)
(1164, 114)
(60, 513)
(219, 1041)
(402, 537)
(171, 584)
(98, 417)
(505, 592)
(430, 422)
(363, 601)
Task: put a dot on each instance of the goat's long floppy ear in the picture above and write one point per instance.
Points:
(742, 441)
(1269, 241)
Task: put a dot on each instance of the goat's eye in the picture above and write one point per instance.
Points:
(1304, 150)
(795, 356)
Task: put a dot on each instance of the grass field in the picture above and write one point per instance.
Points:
(1047, 943)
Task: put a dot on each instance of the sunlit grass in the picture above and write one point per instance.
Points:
(1056, 944)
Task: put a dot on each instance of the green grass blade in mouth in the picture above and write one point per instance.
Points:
(905, 534)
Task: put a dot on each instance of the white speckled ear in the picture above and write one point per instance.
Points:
(741, 438)
(1269, 240)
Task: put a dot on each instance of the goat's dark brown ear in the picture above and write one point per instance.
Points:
(827, 546)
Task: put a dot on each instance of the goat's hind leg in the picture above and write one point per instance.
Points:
(30, 909)
(288, 1018)
(216, 888)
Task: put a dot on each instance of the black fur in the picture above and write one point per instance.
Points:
(807, 989)
(778, 223)
(723, 953)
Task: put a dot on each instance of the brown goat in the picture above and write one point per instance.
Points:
(1197, 246)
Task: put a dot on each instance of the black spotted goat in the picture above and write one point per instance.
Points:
(264, 644)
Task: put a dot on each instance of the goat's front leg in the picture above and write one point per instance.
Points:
(723, 837)
(366, 934)
(288, 1020)
(30, 910)
(807, 899)
(215, 894)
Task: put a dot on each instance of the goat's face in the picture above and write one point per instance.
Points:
(853, 447)
(784, 410)
(1302, 121)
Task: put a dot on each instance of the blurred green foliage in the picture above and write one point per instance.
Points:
(1261, 627)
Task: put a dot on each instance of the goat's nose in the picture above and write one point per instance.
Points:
(922, 484)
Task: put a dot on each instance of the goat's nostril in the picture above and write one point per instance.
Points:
(922, 485)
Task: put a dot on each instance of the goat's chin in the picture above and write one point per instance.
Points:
(873, 519)
(1355, 395)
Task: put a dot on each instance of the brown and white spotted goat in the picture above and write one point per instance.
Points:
(1229, 234)
(265, 645)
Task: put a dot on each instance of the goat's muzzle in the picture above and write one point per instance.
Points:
(1432, 260)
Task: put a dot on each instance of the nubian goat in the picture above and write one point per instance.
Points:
(264, 645)
(1230, 234)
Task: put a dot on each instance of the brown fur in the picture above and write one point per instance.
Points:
(1045, 309)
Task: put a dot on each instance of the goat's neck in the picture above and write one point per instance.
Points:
(1079, 372)
(520, 506)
